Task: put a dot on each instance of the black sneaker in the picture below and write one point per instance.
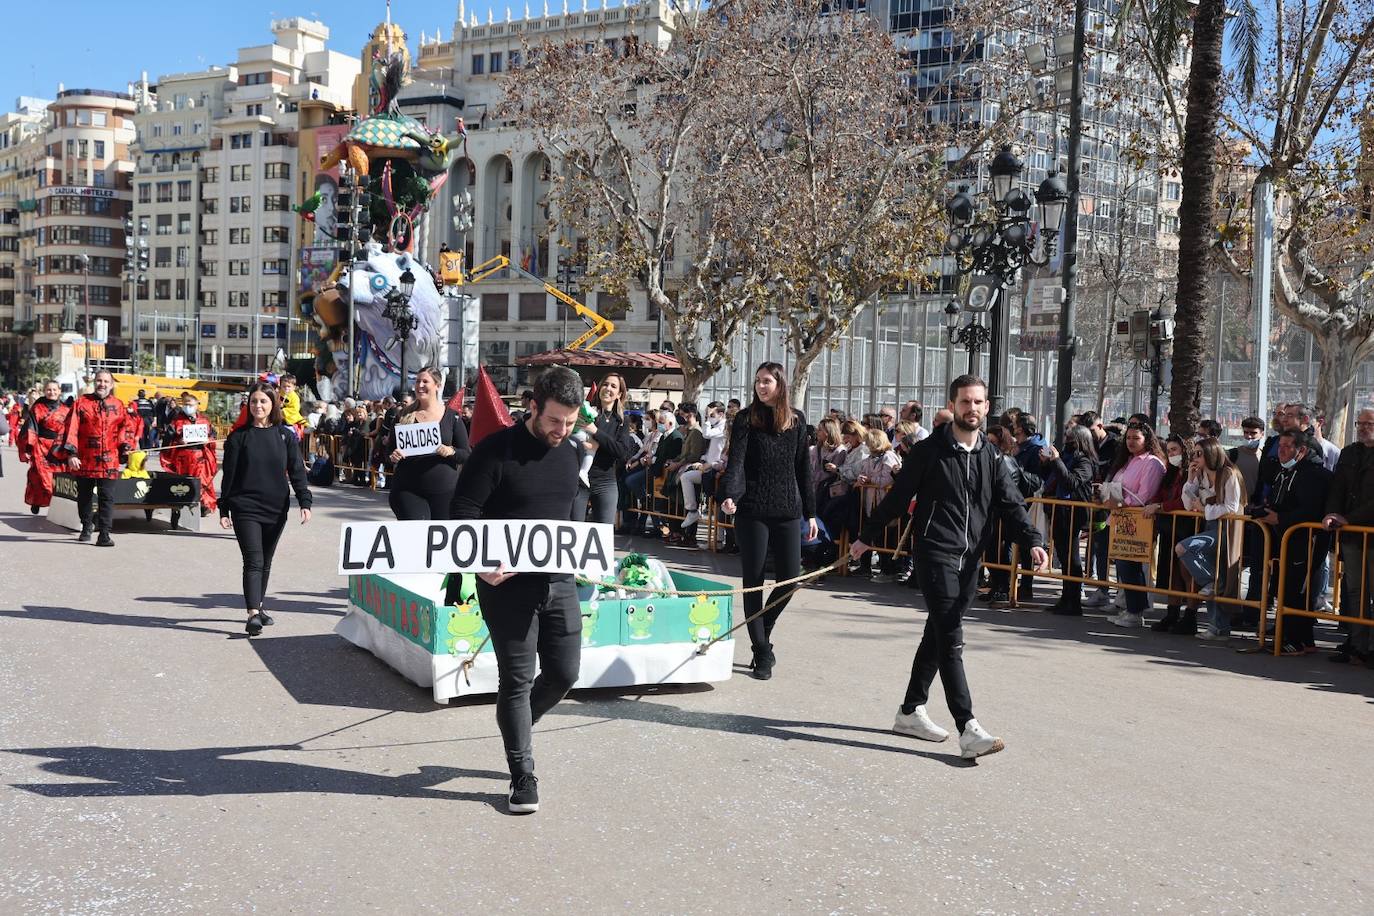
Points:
(85, 535)
(524, 794)
(104, 540)
(998, 597)
(254, 625)
(762, 666)
(267, 620)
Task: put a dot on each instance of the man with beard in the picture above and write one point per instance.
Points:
(959, 483)
(527, 471)
(96, 440)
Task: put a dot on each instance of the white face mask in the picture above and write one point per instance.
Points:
(189, 410)
(1176, 460)
(1252, 443)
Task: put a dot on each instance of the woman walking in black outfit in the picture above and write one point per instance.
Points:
(767, 487)
(610, 438)
(422, 485)
(260, 459)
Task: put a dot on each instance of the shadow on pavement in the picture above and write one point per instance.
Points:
(104, 618)
(613, 706)
(327, 670)
(1093, 628)
(212, 771)
(273, 604)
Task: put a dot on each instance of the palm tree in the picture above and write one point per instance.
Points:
(1196, 214)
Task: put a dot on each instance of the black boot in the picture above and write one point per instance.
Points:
(1187, 624)
(85, 535)
(33, 510)
(104, 540)
(763, 663)
(1166, 623)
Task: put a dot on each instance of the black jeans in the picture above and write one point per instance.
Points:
(603, 496)
(257, 542)
(103, 488)
(948, 592)
(1066, 527)
(531, 617)
(756, 537)
(410, 505)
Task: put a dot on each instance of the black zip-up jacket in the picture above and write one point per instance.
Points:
(1352, 487)
(958, 495)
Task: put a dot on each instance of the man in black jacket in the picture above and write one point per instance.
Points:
(1298, 494)
(959, 483)
(1351, 502)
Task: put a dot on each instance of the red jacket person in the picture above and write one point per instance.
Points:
(96, 440)
(195, 458)
(39, 438)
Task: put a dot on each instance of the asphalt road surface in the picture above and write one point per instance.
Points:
(152, 760)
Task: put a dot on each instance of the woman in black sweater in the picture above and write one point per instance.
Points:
(767, 487)
(422, 485)
(260, 459)
(610, 439)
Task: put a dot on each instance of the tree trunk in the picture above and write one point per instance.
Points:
(1341, 357)
(1105, 363)
(802, 362)
(1197, 213)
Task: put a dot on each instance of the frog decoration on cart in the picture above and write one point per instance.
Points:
(465, 622)
(704, 617)
(641, 620)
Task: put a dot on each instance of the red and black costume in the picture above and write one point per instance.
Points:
(198, 461)
(98, 434)
(39, 437)
(15, 417)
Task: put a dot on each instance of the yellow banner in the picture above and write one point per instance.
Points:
(1132, 537)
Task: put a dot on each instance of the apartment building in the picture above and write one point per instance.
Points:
(72, 182)
(21, 140)
(217, 157)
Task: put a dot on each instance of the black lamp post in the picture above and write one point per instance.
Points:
(569, 272)
(398, 312)
(990, 247)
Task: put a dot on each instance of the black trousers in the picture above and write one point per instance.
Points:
(257, 543)
(1066, 527)
(757, 536)
(411, 505)
(948, 592)
(531, 619)
(603, 496)
(103, 489)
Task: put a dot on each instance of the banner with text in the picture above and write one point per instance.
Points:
(521, 545)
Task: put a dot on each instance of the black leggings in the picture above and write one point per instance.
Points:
(257, 542)
(756, 537)
(531, 619)
(410, 506)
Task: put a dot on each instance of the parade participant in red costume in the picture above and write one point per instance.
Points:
(135, 422)
(40, 435)
(15, 418)
(95, 439)
(192, 460)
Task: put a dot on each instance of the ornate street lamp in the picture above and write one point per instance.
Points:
(990, 247)
(403, 321)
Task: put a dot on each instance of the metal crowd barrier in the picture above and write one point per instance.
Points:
(333, 447)
(672, 502)
(1351, 547)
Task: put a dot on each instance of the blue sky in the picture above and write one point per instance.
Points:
(101, 45)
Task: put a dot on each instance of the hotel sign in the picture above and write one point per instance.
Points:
(100, 193)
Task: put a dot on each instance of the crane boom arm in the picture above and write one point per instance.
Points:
(598, 328)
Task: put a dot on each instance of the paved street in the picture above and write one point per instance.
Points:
(153, 761)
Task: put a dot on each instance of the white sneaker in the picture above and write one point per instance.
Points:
(691, 519)
(975, 741)
(918, 725)
(1127, 619)
(1213, 636)
(1119, 600)
(1097, 598)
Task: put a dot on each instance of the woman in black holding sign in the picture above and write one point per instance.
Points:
(422, 485)
(260, 459)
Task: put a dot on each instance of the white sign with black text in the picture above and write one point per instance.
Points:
(195, 434)
(418, 438)
(521, 545)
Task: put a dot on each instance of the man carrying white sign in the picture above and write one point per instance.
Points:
(528, 471)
